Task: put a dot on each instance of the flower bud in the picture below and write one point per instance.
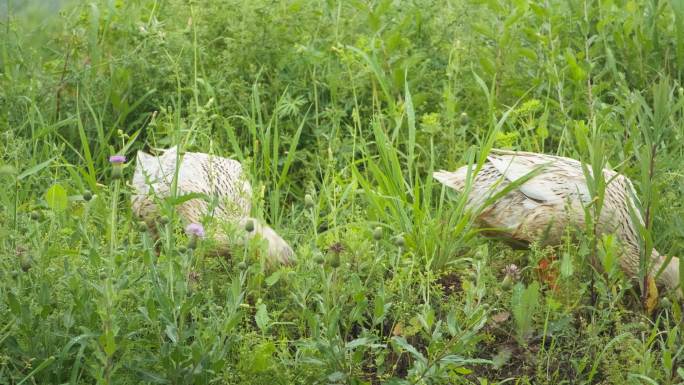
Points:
(665, 303)
(192, 243)
(507, 282)
(26, 263)
(249, 226)
(117, 172)
(164, 220)
(400, 241)
(464, 118)
(87, 195)
(334, 260)
(35, 215)
(242, 265)
(377, 233)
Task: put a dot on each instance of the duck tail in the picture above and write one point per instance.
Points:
(670, 275)
(453, 179)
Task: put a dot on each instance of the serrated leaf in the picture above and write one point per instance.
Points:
(261, 357)
(401, 341)
(172, 333)
(14, 305)
(261, 317)
(356, 343)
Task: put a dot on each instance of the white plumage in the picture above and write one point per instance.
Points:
(553, 198)
(219, 179)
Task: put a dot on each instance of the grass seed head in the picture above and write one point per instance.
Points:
(308, 201)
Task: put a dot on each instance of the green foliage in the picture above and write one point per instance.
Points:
(340, 112)
(524, 304)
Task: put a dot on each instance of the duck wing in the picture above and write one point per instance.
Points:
(553, 179)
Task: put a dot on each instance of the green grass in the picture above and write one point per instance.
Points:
(353, 104)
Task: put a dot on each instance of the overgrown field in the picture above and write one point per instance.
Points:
(339, 111)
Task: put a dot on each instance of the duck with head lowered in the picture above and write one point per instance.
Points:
(551, 195)
(222, 180)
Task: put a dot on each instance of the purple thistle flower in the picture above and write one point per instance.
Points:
(512, 271)
(117, 159)
(195, 229)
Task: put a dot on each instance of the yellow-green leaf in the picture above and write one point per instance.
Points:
(56, 197)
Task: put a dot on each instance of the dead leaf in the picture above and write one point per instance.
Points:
(501, 317)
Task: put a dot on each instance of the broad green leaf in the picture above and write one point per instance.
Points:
(172, 333)
(56, 197)
(273, 278)
(566, 268)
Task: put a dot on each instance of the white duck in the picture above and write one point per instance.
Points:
(543, 206)
(216, 177)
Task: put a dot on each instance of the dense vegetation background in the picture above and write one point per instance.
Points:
(353, 103)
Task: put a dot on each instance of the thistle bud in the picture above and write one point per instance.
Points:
(377, 233)
(334, 260)
(507, 282)
(164, 220)
(117, 172)
(26, 262)
(87, 195)
(192, 243)
(400, 241)
(464, 118)
(242, 265)
(117, 162)
(249, 226)
(35, 215)
(319, 259)
(665, 302)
